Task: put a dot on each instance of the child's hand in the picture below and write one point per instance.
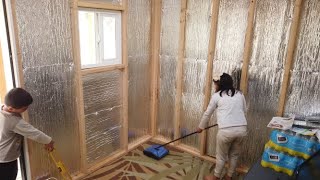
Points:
(49, 147)
(199, 130)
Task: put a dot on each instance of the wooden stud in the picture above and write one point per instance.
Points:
(101, 5)
(114, 157)
(102, 69)
(211, 49)
(78, 175)
(3, 89)
(155, 69)
(161, 138)
(125, 79)
(293, 36)
(194, 152)
(247, 48)
(97, 166)
(138, 142)
(118, 155)
(78, 83)
(179, 73)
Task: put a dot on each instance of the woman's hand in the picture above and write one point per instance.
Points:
(199, 130)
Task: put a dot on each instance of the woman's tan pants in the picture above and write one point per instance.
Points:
(228, 147)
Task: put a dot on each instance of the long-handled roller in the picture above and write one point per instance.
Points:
(159, 151)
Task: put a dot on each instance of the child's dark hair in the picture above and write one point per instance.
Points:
(226, 84)
(18, 98)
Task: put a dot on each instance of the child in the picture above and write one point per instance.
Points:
(231, 108)
(12, 130)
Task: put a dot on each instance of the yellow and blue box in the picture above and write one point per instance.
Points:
(294, 145)
(279, 161)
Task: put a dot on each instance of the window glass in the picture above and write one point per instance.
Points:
(100, 38)
(87, 38)
(109, 37)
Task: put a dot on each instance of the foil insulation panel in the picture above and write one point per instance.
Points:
(45, 39)
(271, 33)
(139, 19)
(232, 25)
(303, 96)
(102, 109)
(198, 20)
(169, 40)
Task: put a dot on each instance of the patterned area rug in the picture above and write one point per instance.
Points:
(136, 166)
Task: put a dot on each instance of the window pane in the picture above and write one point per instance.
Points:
(100, 38)
(87, 38)
(109, 37)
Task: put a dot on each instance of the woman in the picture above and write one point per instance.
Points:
(231, 107)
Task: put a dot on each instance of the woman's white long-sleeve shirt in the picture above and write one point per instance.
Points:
(230, 110)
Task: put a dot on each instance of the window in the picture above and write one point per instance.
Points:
(100, 38)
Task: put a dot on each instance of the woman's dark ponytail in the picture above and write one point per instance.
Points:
(226, 84)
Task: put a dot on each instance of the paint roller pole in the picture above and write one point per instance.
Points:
(185, 136)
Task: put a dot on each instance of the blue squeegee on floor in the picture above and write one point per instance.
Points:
(159, 151)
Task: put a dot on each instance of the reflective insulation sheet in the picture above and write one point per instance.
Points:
(102, 109)
(195, 64)
(44, 33)
(170, 24)
(303, 96)
(232, 25)
(271, 33)
(139, 19)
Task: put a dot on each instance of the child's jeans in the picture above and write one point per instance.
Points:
(228, 147)
(9, 170)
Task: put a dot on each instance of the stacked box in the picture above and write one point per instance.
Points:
(285, 152)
